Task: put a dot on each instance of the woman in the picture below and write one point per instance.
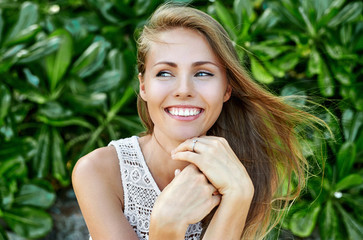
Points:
(216, 149)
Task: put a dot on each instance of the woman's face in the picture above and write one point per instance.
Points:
(184, 85)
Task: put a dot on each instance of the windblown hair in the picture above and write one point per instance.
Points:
(259, 127)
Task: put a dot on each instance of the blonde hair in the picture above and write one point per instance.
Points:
(259, 126)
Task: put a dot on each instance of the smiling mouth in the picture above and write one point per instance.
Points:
(184, 112)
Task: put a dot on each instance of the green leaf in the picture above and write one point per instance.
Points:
(28, 16)
(270, 51)
(1, 26)
(303, 221)
(5, 101)
(225, 17)
(349, 13)
(9, 57)
(345, 159)
(70, 121)
(13, 167)
(329, 223)
(325, 81)
(310, 27)
(34, 195)
(91, 59)
(54, 110)
(41, 161)
(59, 169)
(109, 80)
(288, 61)
(243, 10)
(314, 64)
(86, 101)
(3, 235)
(352, 123)
(28, 222)
(120, 61)
(25, 35)
(259, 72)
(354, 228)
(346, 33)
(266, 21)
(39, 50)
(128, 95)
(348, 182)
(58, 62)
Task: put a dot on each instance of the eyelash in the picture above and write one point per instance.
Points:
(205, 74)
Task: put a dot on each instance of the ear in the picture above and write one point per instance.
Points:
(142, 91)
(228, 93)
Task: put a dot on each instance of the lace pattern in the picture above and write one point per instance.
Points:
(140, 189)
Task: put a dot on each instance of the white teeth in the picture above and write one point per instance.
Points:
(184, 112)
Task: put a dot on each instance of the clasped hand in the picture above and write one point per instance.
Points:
(213, 167)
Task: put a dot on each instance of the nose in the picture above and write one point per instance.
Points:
(184, 87)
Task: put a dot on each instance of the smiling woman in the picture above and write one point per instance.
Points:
(216, 148)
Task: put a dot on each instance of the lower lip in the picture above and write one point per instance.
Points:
(182, 118)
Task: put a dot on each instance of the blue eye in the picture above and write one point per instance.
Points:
(164, 74)
(204, 74)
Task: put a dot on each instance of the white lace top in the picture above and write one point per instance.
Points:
(140, 189)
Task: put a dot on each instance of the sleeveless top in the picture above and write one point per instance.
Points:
(140, 189)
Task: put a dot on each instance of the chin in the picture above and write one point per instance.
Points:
(184, 135)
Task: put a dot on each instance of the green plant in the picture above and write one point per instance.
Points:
(309, 48)
(67, 86)
(65, 90)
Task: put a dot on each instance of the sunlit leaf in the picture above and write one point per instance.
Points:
(91, 59)
(350, 12)
(225, 18)
(303, 221)
(39, 50)
(107, 81)
(348, 182)
(27, 17)
(58, 62)
(259, 72)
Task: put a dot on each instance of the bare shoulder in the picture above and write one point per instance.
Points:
(96, 180)
(100, 167)
(96, 162)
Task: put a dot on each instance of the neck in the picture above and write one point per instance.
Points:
(157, 153)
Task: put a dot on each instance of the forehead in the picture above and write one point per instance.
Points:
(181, 45)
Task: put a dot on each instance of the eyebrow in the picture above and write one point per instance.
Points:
(195, 64)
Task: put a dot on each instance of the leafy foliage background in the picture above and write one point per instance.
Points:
(68, 85)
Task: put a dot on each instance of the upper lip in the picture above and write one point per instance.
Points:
(183, 106)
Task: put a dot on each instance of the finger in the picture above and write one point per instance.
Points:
(216, 199)
(190, 157)
(191, 145)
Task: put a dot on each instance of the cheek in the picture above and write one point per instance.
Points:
(156, 93)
